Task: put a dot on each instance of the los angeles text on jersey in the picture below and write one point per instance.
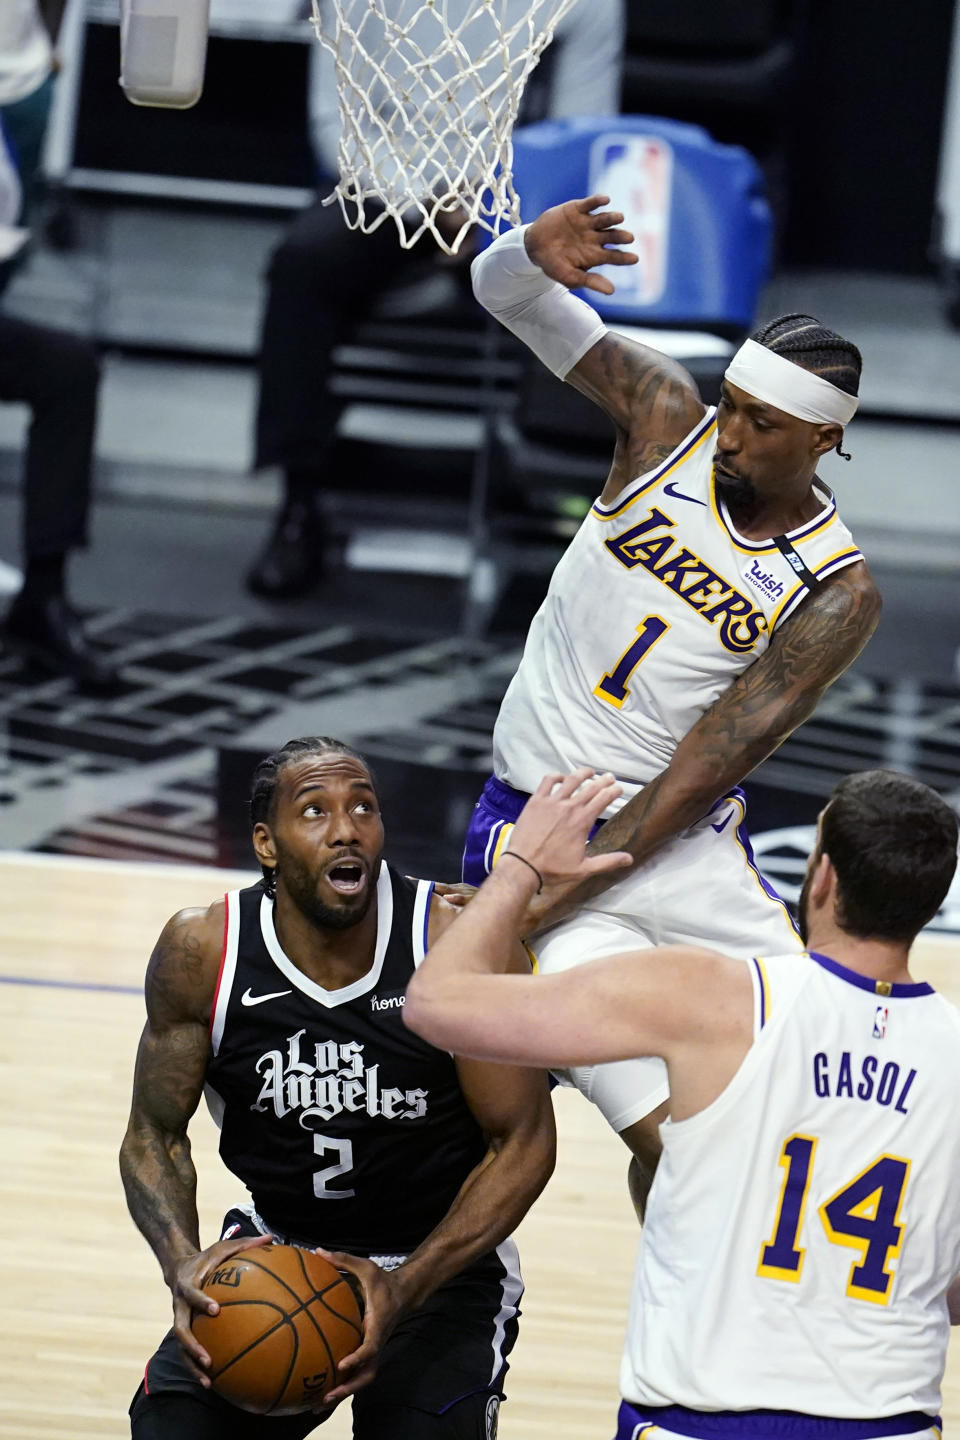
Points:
(689, 577)
(862, 1079)
(322, 1079)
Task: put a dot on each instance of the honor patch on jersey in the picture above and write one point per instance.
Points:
(389, 1000)
(880, 1022)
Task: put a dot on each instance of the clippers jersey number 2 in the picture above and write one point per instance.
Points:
(864, 1214)
(613, 687)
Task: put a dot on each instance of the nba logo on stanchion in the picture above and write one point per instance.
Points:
(636, 171)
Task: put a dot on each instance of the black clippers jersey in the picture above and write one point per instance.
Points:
(349, 1130)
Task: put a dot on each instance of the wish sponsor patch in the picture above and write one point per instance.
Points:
(763, 580)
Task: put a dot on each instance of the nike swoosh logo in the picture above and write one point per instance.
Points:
(248, 999)
(672, 490)
(723, 823)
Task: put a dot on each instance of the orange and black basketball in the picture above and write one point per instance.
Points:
(286, 1318)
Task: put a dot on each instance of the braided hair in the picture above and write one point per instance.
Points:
(807, 343)
(267, 775)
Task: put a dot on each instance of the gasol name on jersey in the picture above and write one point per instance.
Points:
(322, 1079)
(677, 567)
(866, 1079)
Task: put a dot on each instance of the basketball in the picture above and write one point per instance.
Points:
(286, 1318)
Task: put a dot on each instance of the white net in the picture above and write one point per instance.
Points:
(429, 92)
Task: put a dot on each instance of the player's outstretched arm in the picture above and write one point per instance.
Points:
(676, 1002)
(155, 1161)
(524, 280)
(762, 707)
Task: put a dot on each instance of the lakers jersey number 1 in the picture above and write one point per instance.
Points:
(656, 607)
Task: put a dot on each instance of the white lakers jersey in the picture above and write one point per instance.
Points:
(656, 607)
(803, 1228)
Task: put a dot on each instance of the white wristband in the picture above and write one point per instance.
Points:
(556, 325)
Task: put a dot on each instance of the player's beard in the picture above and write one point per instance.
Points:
(740, 496)
(301, 885)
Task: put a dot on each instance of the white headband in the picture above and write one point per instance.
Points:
(777, 381)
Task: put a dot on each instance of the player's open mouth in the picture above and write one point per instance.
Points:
(347, 877)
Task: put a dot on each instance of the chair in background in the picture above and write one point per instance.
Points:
(727, 65)
(702, 229)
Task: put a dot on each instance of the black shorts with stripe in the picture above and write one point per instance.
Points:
(440, 1374)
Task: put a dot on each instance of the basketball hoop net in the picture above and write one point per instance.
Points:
(429, 95)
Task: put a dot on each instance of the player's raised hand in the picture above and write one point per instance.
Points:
(554, 826)
(568, 240)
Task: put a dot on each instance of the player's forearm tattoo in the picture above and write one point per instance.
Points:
(155, 1161)
(745, 725)
(160, 1183)
(751, 719)
(779, 691)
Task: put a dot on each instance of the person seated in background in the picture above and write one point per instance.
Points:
(28, 33)
(323, 278)
(57, 375)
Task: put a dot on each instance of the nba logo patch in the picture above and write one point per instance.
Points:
(880, 1022)
(636, 171)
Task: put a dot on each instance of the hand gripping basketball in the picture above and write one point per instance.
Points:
(384, 1303)
(285, 1318)
(190, 1298)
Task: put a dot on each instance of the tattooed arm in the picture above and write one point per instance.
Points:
(652, 400)
(155, 1161)
(747, 723)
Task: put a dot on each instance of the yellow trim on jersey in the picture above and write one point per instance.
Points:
(786, 601)
(758, 547)
(655, 479)
(506, 830)
(780, 1272)
(751, 866)
(766, 1006)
